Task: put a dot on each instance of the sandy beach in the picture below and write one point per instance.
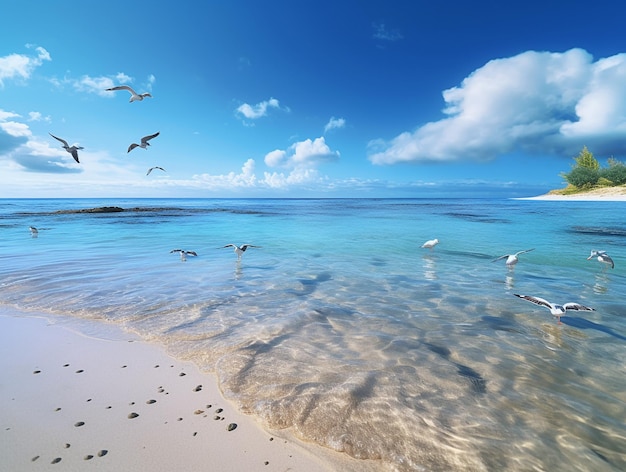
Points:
(615, 194)
(71, 400)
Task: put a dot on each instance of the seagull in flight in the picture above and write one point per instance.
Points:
(184, 254)
(512, 259)
(239, 250)
(556, 310)
(134, 96)
(72, 150)
(602, 257)
(156, 167)
(144, 142)
(430, 244)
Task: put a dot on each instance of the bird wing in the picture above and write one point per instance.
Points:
(606, 258)
(229, 245)
(577, 307)
(176, 250)
(122, 87)
(75, 155)
(149, 170)
(145, 139)
(501, 257)
(522, 252)
(246, 246)
(192, 253)
(59, 139)
(132, 146)
(535, 300)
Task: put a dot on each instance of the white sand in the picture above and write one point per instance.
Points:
(607, 194)
(55, 378)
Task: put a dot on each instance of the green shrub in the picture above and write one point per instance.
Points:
(582, 177)
(603, 182)
(616, 174)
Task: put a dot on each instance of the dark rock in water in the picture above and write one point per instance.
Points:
(132, 415)
(231, 426)
(111, 209)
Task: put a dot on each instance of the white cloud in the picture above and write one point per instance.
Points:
(21, 65)
(303, 154)
(334, 123)
(5, 115)
(381, 31)
(253, 112)
(245, 179)
(537, 102)
(37, 116)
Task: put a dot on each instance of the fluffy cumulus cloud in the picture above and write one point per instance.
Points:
(536, 102)
(253, 112)
(244, 179)
(21, 66)
(334, 123)
(303, 154)
(299, 170)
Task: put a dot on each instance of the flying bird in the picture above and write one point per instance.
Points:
(430, 244)
(144, 142)
(184, 254)
(556, 310)
(156, 167)
(33, 231)
(603, 258)
(239, 250)
(72, 150)
(512, 259)
(134, 96)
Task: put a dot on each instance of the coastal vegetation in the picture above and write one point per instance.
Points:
(587, 174)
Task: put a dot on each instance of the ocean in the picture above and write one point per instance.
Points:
(340, 327)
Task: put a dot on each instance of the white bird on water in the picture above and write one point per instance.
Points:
(512, 259)
(155, 167)
(556, 310)
(144, 142)
(134, 96)
(72, 150)
(184, 254)
(34, 232)
(602, 257)
(239, 250)
(431, 243)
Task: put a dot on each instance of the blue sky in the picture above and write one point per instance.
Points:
(308, 98)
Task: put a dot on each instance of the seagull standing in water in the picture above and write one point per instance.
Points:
(512, 259)
(134, 96)
(184, 254)
(72, 150)
(603, 258)
(430, 244)
(239, 250)
(144, 142)
(156, 167)
(556, 310)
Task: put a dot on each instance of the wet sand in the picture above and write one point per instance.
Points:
(69, 400)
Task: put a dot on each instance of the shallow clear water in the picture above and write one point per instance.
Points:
(343, 329)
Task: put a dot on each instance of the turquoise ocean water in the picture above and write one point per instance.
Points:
(343, 329)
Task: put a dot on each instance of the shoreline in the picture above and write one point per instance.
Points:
(111, 400)
(607, 194)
